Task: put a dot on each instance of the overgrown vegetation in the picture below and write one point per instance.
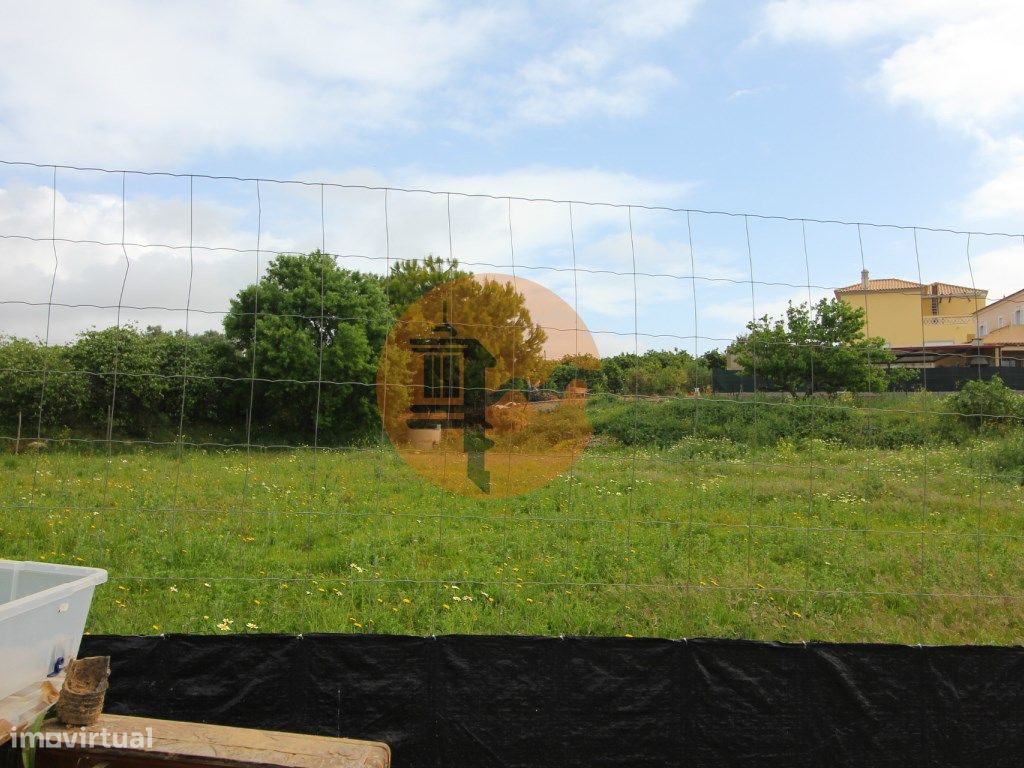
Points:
(795, 540)
(891, 420)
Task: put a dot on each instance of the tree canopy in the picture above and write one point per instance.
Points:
(314, 330)
(408, 280)
(816, 348)
(492, 312)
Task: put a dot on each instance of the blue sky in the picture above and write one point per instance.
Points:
(907, 113)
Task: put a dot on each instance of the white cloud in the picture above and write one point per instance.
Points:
(223, 216)
(87, 277)
(598, 72)
(138, 81)
(960, 64)
(563, 89)
(999, 270)
(1003, 195)
(639, 20)
(746, 93)
(840, 22)
(143, 84)
(968, 74)
(602, 69)
(561, 184)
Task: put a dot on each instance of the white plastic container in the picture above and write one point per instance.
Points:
(43, 608)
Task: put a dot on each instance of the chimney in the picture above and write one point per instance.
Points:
(864, 281)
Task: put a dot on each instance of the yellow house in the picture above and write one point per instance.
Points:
(911, 315)
(1001, 327)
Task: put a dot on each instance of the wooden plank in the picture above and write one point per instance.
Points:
(196, 744)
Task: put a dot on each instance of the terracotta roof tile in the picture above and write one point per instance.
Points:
(882, 284)
(1016, 297)
(926, 289)
(948, 289)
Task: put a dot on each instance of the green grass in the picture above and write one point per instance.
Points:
(817, 542)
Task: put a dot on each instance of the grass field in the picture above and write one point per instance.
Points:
(821, 542)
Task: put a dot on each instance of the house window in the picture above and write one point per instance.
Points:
(1018, 317)
(982, 330)
(1002, 322)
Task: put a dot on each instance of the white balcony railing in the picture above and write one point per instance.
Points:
(949, 320)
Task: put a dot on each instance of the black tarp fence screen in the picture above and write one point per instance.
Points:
(480, 701)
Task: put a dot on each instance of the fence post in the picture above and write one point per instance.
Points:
(17, 441)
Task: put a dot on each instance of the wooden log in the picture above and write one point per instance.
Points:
(135, 742)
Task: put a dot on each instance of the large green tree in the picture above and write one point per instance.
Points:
(312, 331)
(816, 348)
(409, 280)
(490, 311)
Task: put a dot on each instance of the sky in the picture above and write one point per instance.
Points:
(908, 113)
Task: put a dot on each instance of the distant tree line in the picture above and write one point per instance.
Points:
(653, 373)
(304, 341)
(298, 355)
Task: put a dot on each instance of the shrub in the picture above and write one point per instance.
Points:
(984, 405)
(34, 376)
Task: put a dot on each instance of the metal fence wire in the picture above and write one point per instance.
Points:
(738, 511)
